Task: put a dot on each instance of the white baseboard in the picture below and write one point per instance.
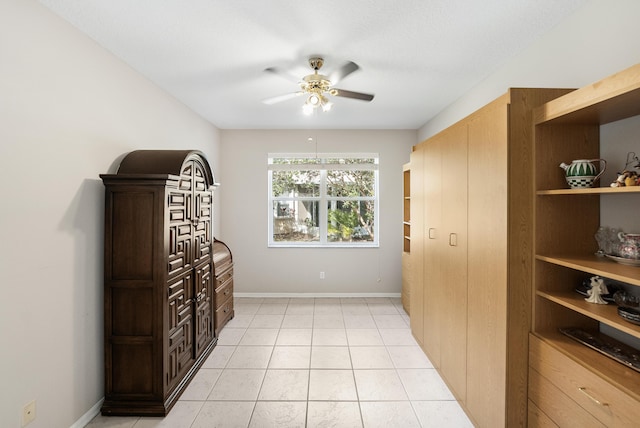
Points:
(319, 295)
(88, 417)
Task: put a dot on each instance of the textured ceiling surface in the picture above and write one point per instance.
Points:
(416, 56)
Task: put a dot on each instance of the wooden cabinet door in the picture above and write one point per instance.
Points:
(487, 266)
(180, 329)
(204, 295)
(417, 242)
(454, 259)
(433, 238)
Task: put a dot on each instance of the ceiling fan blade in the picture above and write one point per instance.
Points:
(343, 72)
(283, 73)
(281, 98)
(350, 94)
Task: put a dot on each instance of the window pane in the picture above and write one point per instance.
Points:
(296, 221)
(351, 161)
(350, 183)
(295, 161)
(296, 183)
(350, 221)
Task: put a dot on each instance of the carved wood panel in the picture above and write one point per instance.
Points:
(202, 216)
(159, 292)
(180, 236)
(180, 327)
(204, 307)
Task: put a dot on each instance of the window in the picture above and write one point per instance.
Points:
(328, 200)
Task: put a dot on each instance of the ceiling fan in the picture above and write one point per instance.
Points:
(318, 86)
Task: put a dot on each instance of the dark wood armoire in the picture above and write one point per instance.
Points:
(159, 307)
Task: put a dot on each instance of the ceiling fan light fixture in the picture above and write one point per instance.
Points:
(314, 100)
(307, 109)
(316, 87)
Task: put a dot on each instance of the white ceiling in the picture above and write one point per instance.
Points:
(416, 56)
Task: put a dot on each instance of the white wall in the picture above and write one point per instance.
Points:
(597, 41)
(600, 39)
(68, 109)
(245, 214)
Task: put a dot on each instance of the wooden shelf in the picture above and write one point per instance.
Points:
(596, 266)
(623, 377)
(614, 98)
(569, 127)
(607, 314)
(591, 191)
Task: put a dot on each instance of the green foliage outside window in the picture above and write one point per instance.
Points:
(341, 190)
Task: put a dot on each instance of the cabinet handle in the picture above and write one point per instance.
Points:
(591, 397)
(453, 239)
(432, 233)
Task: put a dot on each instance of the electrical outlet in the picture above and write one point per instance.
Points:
(321, 275)
(29, 413)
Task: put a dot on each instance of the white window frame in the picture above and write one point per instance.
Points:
(324, 199)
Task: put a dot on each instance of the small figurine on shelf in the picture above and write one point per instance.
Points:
(602, 238)
(598, 288)
(628, 177)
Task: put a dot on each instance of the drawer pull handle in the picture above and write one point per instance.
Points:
(592, 398)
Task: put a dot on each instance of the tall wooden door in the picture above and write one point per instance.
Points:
(454, 259)
(189, 262)
(417, 244)
(434, 236)
(487, 265)
(202, 241)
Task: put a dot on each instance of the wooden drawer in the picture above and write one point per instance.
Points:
(555, 404)
(537, 419)
(223, 277)
(223, 293)
(223, 314)
(603, 400)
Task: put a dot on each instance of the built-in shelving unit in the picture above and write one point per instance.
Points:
(406, 222)
(406, 237)
(604, 391)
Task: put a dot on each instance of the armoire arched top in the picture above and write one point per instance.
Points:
(164, 162)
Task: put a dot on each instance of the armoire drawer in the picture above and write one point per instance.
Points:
(603, 400)
(556, 405)
(223, 314)
(223, 277)
(223, 293)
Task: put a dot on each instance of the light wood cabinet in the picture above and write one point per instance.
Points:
(566, 219)
(488, 311)
(473, 193)
(452, 243)
(416, 273)
(434, 235)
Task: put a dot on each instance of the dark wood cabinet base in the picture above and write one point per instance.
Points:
(155, 407)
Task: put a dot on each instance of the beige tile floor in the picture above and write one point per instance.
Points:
(330, 362)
